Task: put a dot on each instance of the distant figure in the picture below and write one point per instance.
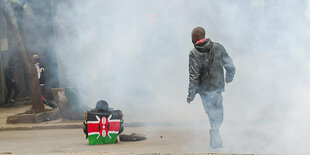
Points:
(40, 69)
(10, 84)
(206, 77)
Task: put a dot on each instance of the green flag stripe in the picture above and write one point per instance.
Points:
(106, 140)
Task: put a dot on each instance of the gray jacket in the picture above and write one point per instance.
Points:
(206, 63)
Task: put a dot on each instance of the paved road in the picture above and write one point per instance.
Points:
(179, 137)
(182, 138)
(73, 140)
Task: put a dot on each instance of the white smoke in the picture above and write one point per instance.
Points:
(307, 12)
(134, 54)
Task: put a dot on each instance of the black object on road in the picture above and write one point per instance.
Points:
(131, 138)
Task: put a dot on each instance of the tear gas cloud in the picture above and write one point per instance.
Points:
(134, 54)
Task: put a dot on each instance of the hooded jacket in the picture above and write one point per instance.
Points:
(206, 63)
(9, 75)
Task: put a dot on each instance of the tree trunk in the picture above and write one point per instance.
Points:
(35, 89)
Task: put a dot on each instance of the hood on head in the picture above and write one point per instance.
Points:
(204, 45)
(102, 105)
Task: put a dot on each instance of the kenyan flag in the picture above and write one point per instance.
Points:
(103, 128)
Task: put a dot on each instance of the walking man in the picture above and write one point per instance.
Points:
(207, 61)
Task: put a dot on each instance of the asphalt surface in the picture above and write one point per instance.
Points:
(239, 136)
(62, 141)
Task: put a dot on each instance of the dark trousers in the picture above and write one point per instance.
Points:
(11, 86)
(212, 103)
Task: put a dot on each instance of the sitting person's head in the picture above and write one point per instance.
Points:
(102, 105)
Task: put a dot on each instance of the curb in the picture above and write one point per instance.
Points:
(52, 114)
(80, 125)
(42, 127)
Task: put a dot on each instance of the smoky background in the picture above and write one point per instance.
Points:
(134, 54)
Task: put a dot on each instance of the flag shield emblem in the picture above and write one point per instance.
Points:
(103, 128)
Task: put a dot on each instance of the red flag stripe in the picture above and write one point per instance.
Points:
(92, 127)
(114, 126)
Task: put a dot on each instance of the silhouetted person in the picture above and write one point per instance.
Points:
(10, 84)
(207, 61)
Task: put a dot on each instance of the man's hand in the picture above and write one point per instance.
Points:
(189, 99)
(228, 80)
(85, 116)
(121, 114)
(13, 80)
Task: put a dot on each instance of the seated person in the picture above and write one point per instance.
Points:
(103, 107)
